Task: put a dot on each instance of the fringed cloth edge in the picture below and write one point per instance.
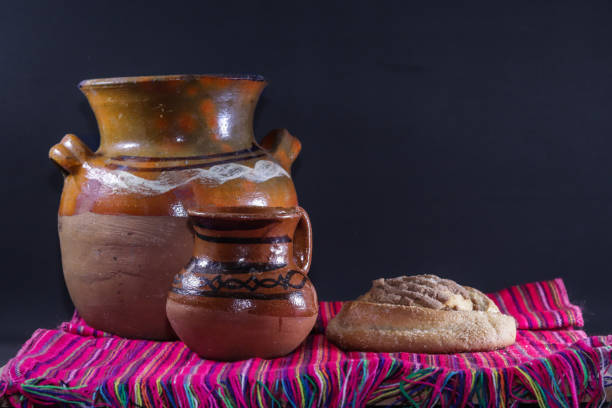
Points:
(566, 378)
(80, 366)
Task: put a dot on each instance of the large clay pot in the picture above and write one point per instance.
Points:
(245, 292)
(167, 143)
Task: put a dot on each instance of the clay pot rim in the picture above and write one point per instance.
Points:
(245, 213)
(131, 80)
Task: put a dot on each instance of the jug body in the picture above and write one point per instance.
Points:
(245, 292)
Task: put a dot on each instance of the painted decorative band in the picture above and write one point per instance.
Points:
(237, 295)
(252, 283)
(146, 159)
(245, 240)
(232, 225)
(185, 167)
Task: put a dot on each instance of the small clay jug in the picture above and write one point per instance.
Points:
(245, 292)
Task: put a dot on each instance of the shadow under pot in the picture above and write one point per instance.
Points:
(245, 292)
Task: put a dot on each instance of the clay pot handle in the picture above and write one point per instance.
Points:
(283, 146)
(302, 242)
(70, 153)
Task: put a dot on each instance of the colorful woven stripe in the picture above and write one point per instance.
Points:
(539, 305)
(554, 366)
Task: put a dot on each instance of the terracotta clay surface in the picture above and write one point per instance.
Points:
(167, 143)
(115, 265)
(245, 292)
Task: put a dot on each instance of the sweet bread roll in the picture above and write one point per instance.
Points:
(421, 314)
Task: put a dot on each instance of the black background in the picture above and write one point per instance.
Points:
(471, 142)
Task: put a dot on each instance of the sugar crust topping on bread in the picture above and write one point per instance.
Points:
(428, 291)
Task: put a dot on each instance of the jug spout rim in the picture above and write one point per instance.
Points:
(118, 81)
(244, 213)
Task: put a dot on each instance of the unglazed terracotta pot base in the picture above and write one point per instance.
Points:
(119, 268)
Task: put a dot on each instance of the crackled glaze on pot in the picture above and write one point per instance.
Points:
(245, 292)
(166, 144)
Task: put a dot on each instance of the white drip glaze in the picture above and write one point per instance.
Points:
(123, 182)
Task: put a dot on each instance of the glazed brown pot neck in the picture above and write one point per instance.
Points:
(173, 116)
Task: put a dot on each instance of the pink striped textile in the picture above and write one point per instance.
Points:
(552, 364)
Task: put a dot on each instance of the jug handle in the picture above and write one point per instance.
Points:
(283, 146)
(302, 242)
(70, 153)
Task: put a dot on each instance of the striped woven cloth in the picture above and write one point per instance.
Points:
(551, 364)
